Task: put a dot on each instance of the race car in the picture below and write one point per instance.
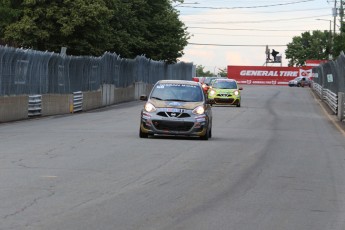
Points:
(225, 92)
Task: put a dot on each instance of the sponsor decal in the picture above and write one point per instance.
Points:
(174, 103)
(267, 75)
(259, 73)
(305, 73)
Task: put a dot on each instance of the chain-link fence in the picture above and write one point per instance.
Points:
(331, 75)
(25, 72)
(329, 84)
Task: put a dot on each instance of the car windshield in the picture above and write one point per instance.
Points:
(208, 80)
(177, 92)
(225, 85)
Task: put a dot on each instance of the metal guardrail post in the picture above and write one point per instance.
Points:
(35, 105)
(341, 106)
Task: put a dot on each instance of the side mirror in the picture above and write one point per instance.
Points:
(240, 88)
(143, 98)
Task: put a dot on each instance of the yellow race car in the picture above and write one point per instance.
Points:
(224, 91)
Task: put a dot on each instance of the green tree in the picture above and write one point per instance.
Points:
(201, 73)
(339, 42)
(91, 27)
(80, 25)
(315, 45)
(223, 72)
(9, 13)
(154, 30)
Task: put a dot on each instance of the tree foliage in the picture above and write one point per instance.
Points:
(339, 42)
(91, 27)
(223, 72)
(200, 71)
(315, 45)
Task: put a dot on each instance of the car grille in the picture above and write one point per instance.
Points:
(224, 95)
(172, 125)
(224, 100)
(172, 114)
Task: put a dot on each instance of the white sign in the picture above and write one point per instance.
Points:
(329, 78)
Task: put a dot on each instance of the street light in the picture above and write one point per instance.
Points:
(330, 35)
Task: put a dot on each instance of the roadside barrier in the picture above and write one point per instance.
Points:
(77, 101)
(331, 99)
(35, 105)
(336, 102)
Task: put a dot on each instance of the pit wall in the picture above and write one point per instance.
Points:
(14, 108)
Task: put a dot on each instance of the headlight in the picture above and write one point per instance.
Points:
(204, 85)
(149, 107)
(212, 92)
(199, 110)
(236, 93)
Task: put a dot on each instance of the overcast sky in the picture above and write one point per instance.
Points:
(229, 32)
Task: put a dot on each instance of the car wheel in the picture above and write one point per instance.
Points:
(142, 134)
(206, 136)
(298, 84)
(238, 104)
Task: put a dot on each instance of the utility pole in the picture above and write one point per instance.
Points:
(341, 16)
(334, 15)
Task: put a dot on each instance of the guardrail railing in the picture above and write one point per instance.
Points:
(35, 105)
(317, 88)
(331, 99)
(77, 101)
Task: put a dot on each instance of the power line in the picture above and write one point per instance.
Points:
(258, 21)
(240, 35)
(244, 7)
(201, 44)
(209, 28)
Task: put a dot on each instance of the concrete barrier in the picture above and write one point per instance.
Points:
(13, 108)
(16, 107)
(54, 104)
(92, 100)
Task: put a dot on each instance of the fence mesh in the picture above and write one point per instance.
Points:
(331, 75)
(25, 71)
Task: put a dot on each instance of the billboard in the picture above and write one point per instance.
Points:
(267, 75)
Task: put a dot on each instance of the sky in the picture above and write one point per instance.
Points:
(233, 32)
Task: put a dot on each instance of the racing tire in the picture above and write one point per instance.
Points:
(206, 136)
(238, 104)
(299, 85)
(142, 134)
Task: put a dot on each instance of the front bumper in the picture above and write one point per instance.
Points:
(225, 100)
(164, 123)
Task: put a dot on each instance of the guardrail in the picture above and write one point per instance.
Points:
(317, 88)
(336, 102)
(35, 105)
(77, 101)
(331, 99)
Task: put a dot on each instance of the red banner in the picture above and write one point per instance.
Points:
(267, 75)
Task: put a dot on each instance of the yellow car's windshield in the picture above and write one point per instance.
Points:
(225, 85)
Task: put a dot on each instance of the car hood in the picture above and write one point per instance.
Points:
(175, 104)
(225, 90)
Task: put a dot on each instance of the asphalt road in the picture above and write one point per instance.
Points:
(276, 163)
